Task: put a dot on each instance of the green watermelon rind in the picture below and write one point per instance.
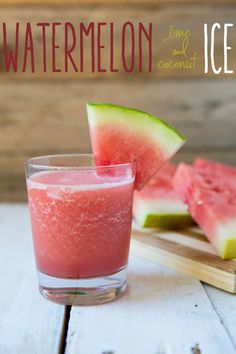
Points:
(165, 131)
(223, 233)
(168, 221)
(134, 110)
(229, 249)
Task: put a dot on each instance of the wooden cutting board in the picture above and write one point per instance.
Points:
(187, 251)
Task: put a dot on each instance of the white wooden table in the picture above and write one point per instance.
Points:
(163, 312)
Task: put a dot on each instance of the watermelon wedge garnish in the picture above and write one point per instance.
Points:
(121, 134)
(158, 205)
(209, 190)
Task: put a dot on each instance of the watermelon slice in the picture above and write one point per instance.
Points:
(212, 167)
(211, 199)
(157, 204)
(120, 135)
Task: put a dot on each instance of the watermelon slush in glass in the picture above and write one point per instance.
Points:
(81, 224)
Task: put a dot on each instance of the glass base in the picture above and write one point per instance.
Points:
(90, 291)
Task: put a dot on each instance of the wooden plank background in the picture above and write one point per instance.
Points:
(45, 113)
(109, 2)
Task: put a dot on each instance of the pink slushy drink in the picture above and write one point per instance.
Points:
(81, 222)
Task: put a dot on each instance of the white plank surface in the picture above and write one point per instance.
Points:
(225, 306)
(163, 310)
(28, 323)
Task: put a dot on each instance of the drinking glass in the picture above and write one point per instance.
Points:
(81, 225)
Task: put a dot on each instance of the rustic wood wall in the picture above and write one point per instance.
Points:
(45, 113)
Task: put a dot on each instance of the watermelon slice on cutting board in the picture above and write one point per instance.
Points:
(121, 134)
(158, 205)
(211, 199)
(216, 168)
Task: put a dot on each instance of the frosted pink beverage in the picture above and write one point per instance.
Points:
(81, 221)
(80, 232)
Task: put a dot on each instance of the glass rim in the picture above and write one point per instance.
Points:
(30, 162)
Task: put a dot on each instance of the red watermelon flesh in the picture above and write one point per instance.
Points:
(121, 134)
(212, 203)
(216, 169)
(214, 166)
(157, 204)
(107, 139)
